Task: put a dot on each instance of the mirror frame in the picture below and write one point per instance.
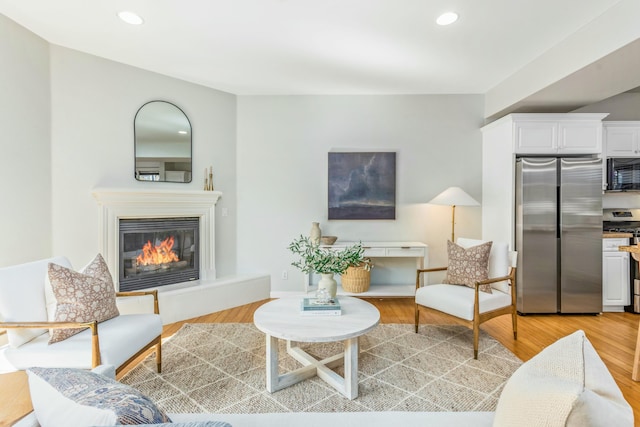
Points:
(187, 174)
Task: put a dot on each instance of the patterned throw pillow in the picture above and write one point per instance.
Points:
(468, 266)
(67, 396)
(81, 296)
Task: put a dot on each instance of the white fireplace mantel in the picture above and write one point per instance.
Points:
(119, 204)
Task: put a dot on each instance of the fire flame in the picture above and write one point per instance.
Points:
(159, 254)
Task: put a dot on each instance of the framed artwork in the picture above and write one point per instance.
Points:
(362, 185)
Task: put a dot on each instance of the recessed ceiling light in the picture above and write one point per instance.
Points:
(447, 18)
(130, 17)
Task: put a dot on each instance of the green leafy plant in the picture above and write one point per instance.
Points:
(315, 259)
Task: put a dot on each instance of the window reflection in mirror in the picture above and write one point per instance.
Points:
(162, 134)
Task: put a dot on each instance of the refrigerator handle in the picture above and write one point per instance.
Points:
(558, 213)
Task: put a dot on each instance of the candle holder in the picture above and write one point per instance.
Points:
(208, 181)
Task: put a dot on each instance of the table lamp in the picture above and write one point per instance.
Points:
(454, 196)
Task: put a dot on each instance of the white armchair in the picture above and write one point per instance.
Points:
(23, 313)
(470, 304)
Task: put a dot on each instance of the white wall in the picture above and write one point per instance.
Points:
(282, 147)
(93, 105)
(625, 106)
(25, 168)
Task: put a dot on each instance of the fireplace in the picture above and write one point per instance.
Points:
(158, 251)
(184, 300)
(118, 205)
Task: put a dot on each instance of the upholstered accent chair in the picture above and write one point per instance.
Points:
(24, 314)
(470, 304)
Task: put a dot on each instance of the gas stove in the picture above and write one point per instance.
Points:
(621, 221)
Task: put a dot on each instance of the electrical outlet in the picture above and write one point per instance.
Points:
(225, 212)
(285, 274)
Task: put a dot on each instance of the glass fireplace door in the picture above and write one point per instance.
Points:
(157, 252)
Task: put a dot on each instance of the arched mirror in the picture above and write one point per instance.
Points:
(162, 134)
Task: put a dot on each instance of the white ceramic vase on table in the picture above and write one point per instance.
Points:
(329, 283)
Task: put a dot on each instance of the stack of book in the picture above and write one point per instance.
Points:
(316, 307)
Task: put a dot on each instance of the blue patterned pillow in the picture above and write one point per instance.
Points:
(61, 396)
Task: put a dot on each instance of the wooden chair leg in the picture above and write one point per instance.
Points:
(159, 356)
(514, 322)
(417, 317)
(635, 375)
(476, 337)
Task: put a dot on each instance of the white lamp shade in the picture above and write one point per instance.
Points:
(454, 196)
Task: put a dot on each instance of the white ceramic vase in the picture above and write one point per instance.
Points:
(315, 233)
(329, 283)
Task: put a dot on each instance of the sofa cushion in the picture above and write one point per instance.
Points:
(566, 384)
(499, 262)
(466, 266)
(22, 297)
(79, 296)
(66, 396)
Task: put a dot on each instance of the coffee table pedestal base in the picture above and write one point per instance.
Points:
(347, 385)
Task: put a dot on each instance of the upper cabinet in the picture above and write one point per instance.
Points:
(622, 139)
(569, 133)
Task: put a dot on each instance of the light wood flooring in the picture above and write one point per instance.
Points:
(612, 334)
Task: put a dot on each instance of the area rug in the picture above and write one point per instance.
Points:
(220, 368)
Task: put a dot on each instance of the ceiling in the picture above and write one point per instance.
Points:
(257, 47)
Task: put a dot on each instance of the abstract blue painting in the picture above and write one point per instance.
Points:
(362, 185)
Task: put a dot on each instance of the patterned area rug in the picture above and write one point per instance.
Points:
(220, 368)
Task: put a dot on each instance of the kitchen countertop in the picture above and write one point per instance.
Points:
(609, 235)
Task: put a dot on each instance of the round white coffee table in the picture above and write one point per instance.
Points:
(281, 319)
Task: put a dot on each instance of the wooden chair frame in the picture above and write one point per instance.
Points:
(95, 339)
(478, 317)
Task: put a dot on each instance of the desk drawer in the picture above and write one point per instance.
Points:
(405, 251)
(373, 252)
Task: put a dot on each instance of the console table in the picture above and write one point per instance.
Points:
(417, 250)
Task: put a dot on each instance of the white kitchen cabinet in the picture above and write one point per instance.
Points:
(615, 275)
(536, 137)
(622, 139)
(557, 133)
(580, 137)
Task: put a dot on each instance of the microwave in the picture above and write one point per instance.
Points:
(623, 174)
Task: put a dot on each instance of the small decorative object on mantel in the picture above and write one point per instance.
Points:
(325, 261)
(208, 182)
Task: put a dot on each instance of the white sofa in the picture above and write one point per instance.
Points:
(116, 341)
(566, 384)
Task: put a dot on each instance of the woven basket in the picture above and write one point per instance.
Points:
(356, 280)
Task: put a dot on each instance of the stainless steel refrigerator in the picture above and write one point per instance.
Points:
(559, 234)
